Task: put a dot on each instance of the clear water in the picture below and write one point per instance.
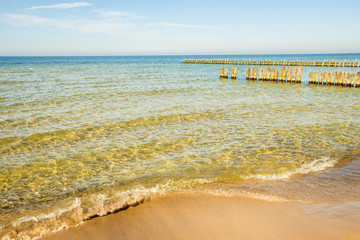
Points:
(84, 136)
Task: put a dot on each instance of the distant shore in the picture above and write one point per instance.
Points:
(203, 216)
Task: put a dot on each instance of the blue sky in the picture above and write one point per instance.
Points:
(109, 27)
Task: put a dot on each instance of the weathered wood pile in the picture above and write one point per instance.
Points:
(346, 79)
(275, 63)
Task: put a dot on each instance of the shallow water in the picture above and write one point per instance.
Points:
(101, 133)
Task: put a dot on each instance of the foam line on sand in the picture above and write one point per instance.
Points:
(205, 216)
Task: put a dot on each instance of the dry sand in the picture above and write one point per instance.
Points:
(202, 216)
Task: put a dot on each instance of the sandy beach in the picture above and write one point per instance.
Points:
(203, 216)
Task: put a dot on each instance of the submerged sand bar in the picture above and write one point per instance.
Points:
(203, 216)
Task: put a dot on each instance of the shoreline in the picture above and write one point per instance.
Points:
(205, 216)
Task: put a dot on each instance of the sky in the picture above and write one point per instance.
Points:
(186, 27)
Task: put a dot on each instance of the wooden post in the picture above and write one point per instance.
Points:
(247, 73)
(299, 74)
(321, 78)
(264, 74)
(289, 74)
(254, 74)
(337, 78)
(331, 78)
(342, 79)
(272, 74)
(221, 72)
(311, 77)
(275, 75)
(260, 74)
(268, 74)
(352, 80)
(316, 78)
(357, 84)
(225, 72)
(294, 74)
(281, 73)
(348, 78)
(284, 74)
(325, 81)
(233, 72)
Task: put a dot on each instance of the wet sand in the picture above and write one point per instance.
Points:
(203, 216)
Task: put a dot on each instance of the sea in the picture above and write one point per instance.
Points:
(82, 137)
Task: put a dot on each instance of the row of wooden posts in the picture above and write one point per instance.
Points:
(290, 74)
(294, 75)
(276, 63)
(224, 72)
(341, 78)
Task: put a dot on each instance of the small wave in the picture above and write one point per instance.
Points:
(314, 166)
(82, 209)
(245, 194)
(76, 203)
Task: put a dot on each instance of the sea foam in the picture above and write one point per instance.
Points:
(314, 166)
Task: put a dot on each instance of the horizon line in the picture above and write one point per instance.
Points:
(191, 54)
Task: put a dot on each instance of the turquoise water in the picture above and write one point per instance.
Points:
(84, 136)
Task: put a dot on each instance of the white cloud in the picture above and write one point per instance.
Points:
(104, 25)
(28, 20)
(118, 14)
(63, 5)
(107, 22)
(181, 25)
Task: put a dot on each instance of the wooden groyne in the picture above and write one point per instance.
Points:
(345, 79)
(233, 72)
(290, 74)
(275, 63)
(294, 75)
(224, 72)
